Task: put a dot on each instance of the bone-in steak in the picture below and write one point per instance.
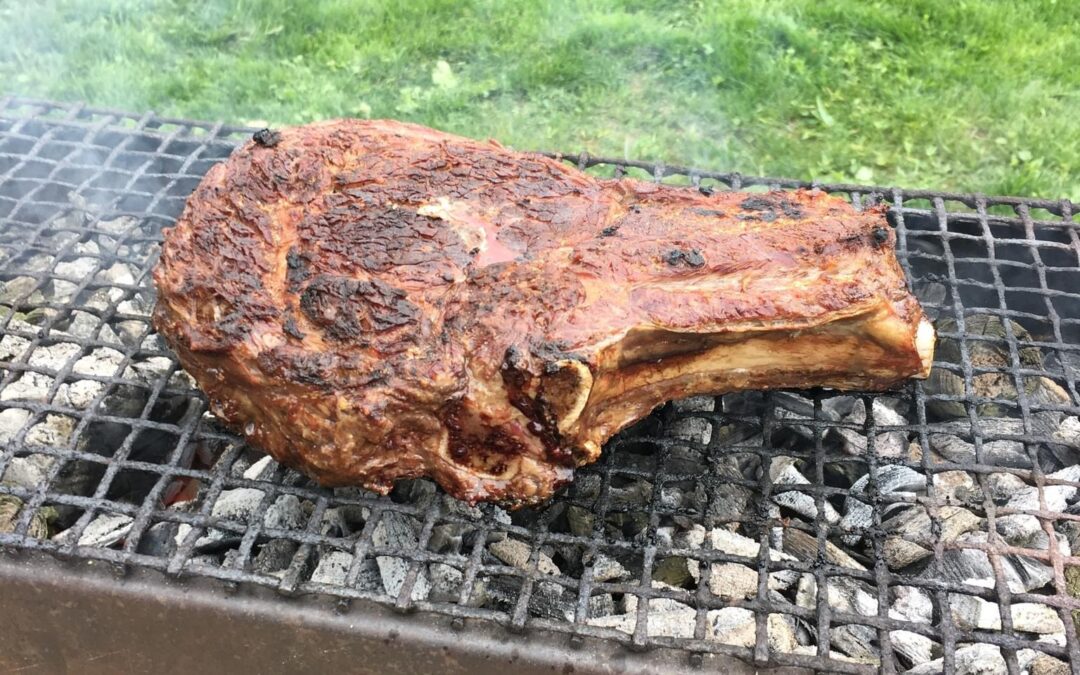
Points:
(374, 300)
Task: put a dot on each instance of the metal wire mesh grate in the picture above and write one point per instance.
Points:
(926, 529)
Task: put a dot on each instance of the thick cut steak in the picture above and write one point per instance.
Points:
(370, 301)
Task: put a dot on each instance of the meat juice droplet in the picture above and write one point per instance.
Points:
(249, 428)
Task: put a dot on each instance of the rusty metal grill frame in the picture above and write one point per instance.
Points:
(144, 166)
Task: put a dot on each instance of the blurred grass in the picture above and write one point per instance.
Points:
(967, 95)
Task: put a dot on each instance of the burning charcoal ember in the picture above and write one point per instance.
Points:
(693, 429)
(80, 268)
(1044, 664)
(736, 626)
(912, 528)
(446, 582)
(931, 295)
(972, 566)
(275, 555)
(397, 531)
(238, 504)
(957, 486)
(992, 353)
(55, 431)
(914, 647)
(855, 640)
(118, 225)
(13, 346)
(693, 536)
(695, 404)
(731, 581)
(1019, 529)
(677, 571)
(516, 554)
(804, 547)
(30, 386)
(1002, 486)
(105, 530)
(727, 501)
(667, 617)
(602, 604)
(446, 538)
(733, 626)
(971, 612)
(735, 581)
(102, 299)
(156, 367)
(972, 659)
(333, 524)
(333, 568)
(891, 444)
(1068, 432)
(12, 420)
(1057, 496)
(783, 472)
(683, 497)
(605, 568)
(159, 540)
(585, 487)
(24, 473)
(19, 291)
(418, 491)
(548, 599)
(896, 481)
(354, 514)
(844, 593)
(999, 453)
(792, 410)
(262, 469)
(10, 510)
(285, 513)
(119, 273)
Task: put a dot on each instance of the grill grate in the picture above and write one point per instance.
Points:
(98, 413)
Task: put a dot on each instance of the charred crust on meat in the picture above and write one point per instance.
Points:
(267, 138)
(609, 231)
(513, 358)
(713, 213)
(349, 309)
(290, 327)
(296, 269)
(757, 204)
(880, 235)
(706, 190)
(690, 258)
(552, 351)
(768, 205)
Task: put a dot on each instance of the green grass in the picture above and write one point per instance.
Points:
(978, 95)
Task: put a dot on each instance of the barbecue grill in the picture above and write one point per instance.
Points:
(930, 528)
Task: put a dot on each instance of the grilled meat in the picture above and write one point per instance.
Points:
(370, 301)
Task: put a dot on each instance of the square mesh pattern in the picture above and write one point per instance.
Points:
(930, 528)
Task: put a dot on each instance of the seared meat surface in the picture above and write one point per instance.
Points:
(371, 300)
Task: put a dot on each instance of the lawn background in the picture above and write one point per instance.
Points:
(962, 95)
